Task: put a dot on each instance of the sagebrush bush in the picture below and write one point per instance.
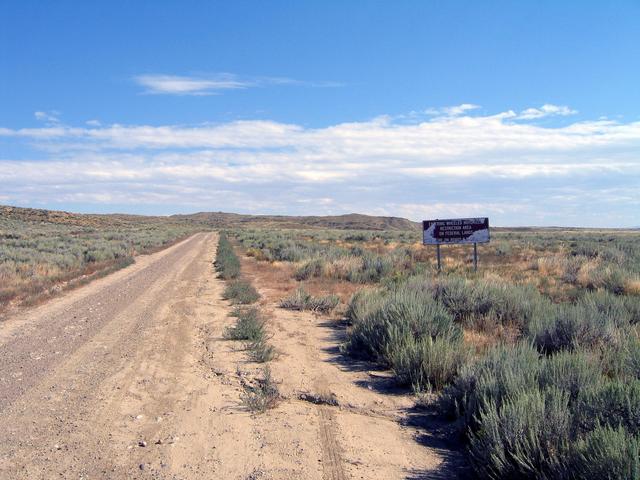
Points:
(473, 302)
(260, 350)
(227, 262)
(401, 313)
(310, 269)
(372, 269)
(621, 359)
(606, 453)
(572, 326)
(363, 303)
(301, 300)
(612, 403)
(262, 395)
(620, 311)
(240, 292)
(323, 303)
(250, 325)
(526, 437)
(503, 371)
(427, 363)
(572, 372)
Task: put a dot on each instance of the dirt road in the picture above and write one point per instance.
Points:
(129, 377)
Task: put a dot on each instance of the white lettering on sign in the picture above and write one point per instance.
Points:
(458, 230)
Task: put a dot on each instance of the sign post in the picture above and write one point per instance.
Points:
(475, 256)
(455, 231)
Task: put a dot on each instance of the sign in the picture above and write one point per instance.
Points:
(456, 230)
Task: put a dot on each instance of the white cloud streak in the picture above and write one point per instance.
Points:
(452, 163)
(215, 84)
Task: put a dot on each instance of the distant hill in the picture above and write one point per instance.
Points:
(353, 221)
(68, 218)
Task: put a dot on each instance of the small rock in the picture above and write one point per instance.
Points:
(159, 441)
(141, 466)
(142, 443)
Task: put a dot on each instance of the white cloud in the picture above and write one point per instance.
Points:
(454, 163)
(50, 118)
(452, 111)
(184, 85)
(214, 84)
(546, 110)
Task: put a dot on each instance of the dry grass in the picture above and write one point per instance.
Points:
(632, 286)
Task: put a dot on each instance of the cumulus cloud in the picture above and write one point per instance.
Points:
(455, 163)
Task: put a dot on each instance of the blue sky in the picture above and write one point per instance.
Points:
(528, 112)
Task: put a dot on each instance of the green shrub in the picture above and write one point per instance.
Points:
(482, 302)
(427, 363)
(373, 269)
(527, 436)
(621, 359)
(571, 326)
(613, 403)
(227, 263)
(260, 350)
(301, 300)
(402, 313)
(311, 269)
(240, 292)
(363, 303)
(503, 372)
(620, 311)
(249, 326)
(607, 453)
(572, 372)
(298, 300)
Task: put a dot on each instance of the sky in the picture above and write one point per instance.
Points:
(527, 112)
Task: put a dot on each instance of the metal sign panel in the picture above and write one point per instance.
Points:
(455, 230)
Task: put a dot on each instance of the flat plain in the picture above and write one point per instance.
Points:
(284, 348)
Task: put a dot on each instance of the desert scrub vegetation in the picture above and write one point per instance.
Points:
(528, 407)
(40, 256)
(250, 326)
(262, 394)
(536, 357)
(301, 300)
(227, 262)
(408, 331)
(557, 262)
(526, 415)
(240, 292)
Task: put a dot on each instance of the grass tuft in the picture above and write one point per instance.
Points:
(262, 395)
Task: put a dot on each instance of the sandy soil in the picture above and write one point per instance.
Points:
(129, 377)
